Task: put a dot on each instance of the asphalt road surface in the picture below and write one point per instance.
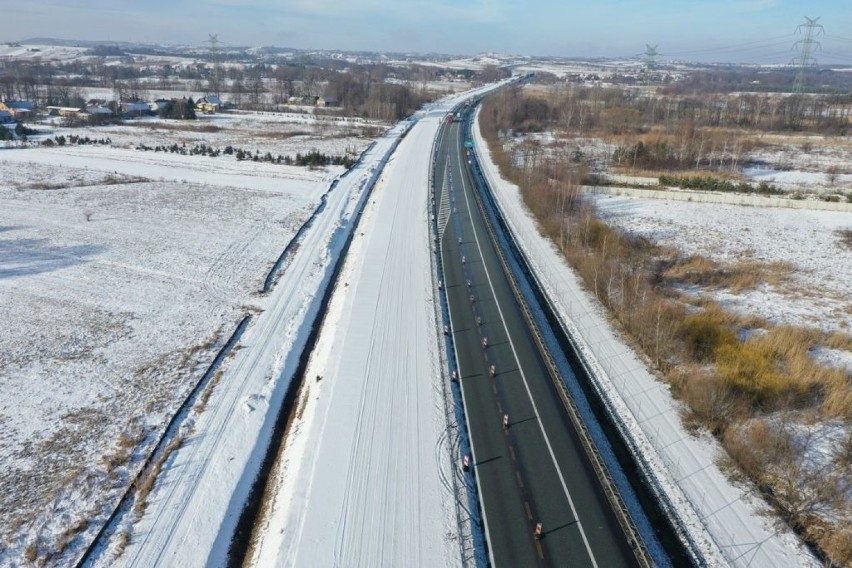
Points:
(532, 469)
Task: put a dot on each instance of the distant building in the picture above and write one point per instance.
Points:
(99, 110)
(205, 108)
(208, 104)
(162, 105)
(19, 109)
(135, 108)
(66, 111)
(328, 102)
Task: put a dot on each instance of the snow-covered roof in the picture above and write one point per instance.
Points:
(135, 106)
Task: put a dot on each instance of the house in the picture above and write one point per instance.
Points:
(211, 99)
(135, 108)
(6, 117)
(98, 110)
(161, 105)
(19, 109)
(302, 100)
(66, 111)
(208, 104)
(205, 107)
(328, 102)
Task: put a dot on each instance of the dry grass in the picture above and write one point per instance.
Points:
(128, 441)
(190, 126)
(738, 277)
(845, 236)
(838, 340)
(147, 480)
(68, 536)
(121, 542)
(768, 454)
(303, 402)
(31, 553)
(704, 333)
(729, 175)
(285, 134)
(45, 186)
(109, 179)
(711, 402)
(269, 491)
(204, 398)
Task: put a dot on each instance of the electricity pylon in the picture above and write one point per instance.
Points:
(214, 55)
(808, 46)
(651, 54)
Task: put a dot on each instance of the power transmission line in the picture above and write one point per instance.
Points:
(757, 44)
(806, 59)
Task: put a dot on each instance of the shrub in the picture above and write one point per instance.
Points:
(710, 183)
(711, 402)
(751, 369)
(703, 334)
(31, 553)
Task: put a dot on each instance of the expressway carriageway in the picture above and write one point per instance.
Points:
(535, 470)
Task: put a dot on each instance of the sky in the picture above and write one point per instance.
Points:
(744, 31)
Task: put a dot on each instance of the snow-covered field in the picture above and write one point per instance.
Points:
(202, 490)
(806, 164)
(121, 273)
(820, 294)
(726, 521)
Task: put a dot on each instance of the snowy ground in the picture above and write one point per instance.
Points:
(121, 272)
(724, 520)
(803, 163)
(200, 494)
(361, 483)
(820, 294)
(284, 133)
